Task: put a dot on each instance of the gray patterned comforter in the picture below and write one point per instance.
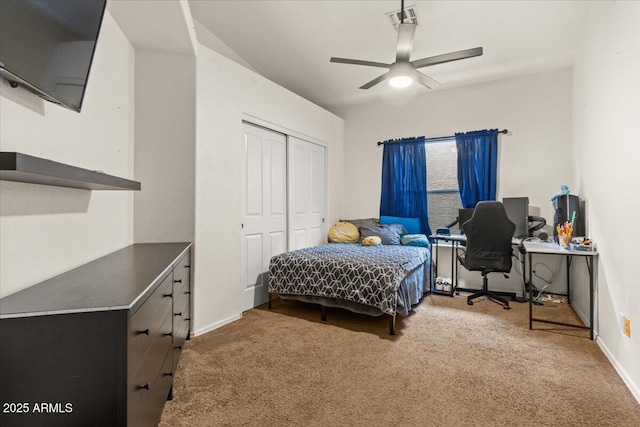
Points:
(368, 275)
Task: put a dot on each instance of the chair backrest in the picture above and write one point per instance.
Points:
(489, 233)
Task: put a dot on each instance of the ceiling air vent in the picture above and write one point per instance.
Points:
(410, 16)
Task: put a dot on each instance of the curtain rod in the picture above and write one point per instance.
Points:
(441, 138)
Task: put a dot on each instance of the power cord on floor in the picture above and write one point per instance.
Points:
(536, 294)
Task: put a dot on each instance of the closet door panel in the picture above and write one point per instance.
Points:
(254, 175)
(278, 175)
(307, 194)
(254, 264)
(300, 178)
(263, 209)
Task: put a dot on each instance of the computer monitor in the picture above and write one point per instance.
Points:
(518, 212)
(464, 215)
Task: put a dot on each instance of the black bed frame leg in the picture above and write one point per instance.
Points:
(324, 313)
(392, 324)
(269, 300)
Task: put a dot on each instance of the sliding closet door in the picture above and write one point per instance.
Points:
(264, 197)
(307, 194)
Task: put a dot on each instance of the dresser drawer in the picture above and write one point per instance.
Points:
(181, 300)
(144, 382)
(159, 393)
(181, 283)
(147, 323)
(181, 319)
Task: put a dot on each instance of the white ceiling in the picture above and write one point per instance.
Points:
(290, 42)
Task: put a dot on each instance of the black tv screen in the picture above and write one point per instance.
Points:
(47, 46)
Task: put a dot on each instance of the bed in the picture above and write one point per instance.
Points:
(372, 280)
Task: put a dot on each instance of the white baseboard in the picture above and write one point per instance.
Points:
(216, 325)
(635, 390)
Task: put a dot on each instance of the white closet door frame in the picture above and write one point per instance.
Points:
(247, 118)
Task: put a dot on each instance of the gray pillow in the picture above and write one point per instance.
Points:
(360, 222)
(390, 234)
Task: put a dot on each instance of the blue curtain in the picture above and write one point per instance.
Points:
(477, 166)
(404, 180)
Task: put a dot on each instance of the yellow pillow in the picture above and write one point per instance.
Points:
(371, 241)
(344, 232)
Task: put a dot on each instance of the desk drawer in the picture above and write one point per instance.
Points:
(147, 323)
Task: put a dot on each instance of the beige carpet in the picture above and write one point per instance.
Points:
(449, 365)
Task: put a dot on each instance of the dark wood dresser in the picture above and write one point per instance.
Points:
(98, 345)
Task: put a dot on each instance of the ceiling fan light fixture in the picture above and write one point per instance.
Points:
(400, 82)
(404, 71)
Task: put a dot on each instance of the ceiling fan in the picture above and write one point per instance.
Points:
(403, 72)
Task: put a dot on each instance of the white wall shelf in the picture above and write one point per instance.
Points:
(35, 170)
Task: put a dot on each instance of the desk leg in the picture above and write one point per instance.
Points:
(455, 261)
(530, 286)
(589, 261)
(436, 266)
(569, 279)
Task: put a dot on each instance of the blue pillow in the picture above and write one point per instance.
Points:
(415, 240)
(411, 224)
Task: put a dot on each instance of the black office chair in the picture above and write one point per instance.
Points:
(489, 233)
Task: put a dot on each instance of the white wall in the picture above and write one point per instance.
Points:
(44, 230)
(226, 91)
(536, 109)
(606, 120)
(165, 147)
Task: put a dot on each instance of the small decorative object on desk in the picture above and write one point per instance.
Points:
(565, 232)
(582, 244)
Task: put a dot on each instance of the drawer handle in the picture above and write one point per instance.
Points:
(167, 295)
(167, 374)
(187, 266)
(145, 332)
(177, 281)
(145, 387)
(187, 292)
(178, 347)
(167, 334)
(186, 319)
(177, 314)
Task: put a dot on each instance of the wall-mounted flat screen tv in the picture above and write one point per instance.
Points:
(47, 46)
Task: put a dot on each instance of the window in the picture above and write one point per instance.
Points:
(442, 183)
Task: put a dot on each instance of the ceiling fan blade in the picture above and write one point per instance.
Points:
(359, 62)
(375, 81)
(447, 57)
(425, 80)
(405, 41)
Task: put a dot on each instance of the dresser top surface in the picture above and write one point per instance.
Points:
(118, 281)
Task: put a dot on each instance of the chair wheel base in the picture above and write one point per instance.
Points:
(469, 302)
(506, 307)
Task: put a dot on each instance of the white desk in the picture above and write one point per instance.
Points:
(555, 249)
